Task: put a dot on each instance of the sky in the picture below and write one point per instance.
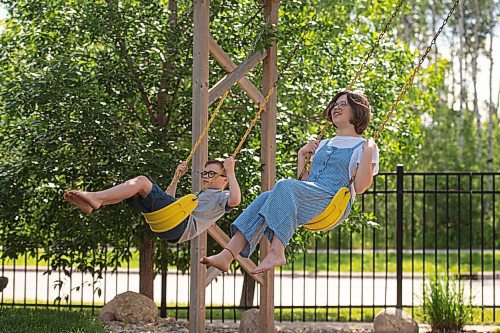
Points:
(483, 66)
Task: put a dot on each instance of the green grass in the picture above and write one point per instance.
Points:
(17, 320)
(381, 261)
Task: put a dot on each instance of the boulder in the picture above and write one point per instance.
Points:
(250, 320)
(130, 307)
(3, 283)
(394, 320)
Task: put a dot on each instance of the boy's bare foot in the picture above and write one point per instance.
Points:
(82, 200)
(273, 259)
(221, 260)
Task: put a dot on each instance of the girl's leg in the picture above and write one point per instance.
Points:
(223, 259)
(247, 228)
(275, 257)
(88, 201)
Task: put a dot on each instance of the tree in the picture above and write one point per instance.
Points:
(93, 93)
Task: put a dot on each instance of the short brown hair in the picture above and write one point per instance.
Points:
(219, 161)
(360, 107)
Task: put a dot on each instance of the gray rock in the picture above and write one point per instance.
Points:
(3, 283)
(393, 320)
(130, 307)
(250, 320)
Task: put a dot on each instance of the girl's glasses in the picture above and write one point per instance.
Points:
(340, 105)
(209, 174)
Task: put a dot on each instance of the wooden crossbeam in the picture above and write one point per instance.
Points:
(225, 61)
(222, 239)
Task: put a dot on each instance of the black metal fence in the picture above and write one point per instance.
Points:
(429, 224)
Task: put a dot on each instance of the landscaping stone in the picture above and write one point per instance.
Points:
(394, 320)
(130, 308)
(3, 283)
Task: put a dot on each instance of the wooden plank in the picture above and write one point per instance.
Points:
(222, 239)
(225, 61)
(201, 11)
(268, 159)
(212, 273)
(227, 82)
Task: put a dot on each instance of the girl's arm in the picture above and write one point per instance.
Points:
(364, 175)
(308, 149)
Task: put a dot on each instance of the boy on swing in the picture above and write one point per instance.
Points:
(143, 195)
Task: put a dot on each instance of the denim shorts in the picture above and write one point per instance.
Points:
(156, 200)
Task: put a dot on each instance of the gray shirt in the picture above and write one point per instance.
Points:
(212, 205)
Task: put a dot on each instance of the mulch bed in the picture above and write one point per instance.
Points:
(164, 325)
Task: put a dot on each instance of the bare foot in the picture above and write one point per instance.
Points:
(221, 260)
(82, 200)
(272, 260)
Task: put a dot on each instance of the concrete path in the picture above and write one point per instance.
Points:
(289, 291)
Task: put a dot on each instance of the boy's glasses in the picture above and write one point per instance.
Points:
(340, 105)
(209, 174)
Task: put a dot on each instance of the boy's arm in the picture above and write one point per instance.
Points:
(181, 168)
(234, 188)
(364, 176)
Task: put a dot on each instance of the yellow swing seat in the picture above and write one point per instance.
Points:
(172, 215)
(332, 213)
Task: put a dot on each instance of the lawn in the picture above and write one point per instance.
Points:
(356, 263)
(18, 320)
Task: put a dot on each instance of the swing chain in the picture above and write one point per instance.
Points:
(356, 77)
(408, 83)
(414, 72)
(177, 175)
(380, 36)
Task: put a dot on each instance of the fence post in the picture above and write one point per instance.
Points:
(164, 272)
(399, 235)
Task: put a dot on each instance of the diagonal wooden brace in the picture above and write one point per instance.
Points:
(225, 61)
(222, 239)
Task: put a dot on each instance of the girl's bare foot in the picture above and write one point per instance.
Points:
(85, 201)
(273, 259)
(221, 260)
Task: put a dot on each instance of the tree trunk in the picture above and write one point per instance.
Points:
(146, 272)
(247, 291)
(475, 55)
(461, 59)
(491, 104)
(434, 14)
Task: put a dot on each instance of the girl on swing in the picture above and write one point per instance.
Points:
(292, 203)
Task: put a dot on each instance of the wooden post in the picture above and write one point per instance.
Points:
(201, 10)
(268, 160)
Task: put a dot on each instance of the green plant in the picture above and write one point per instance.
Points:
(445, 306)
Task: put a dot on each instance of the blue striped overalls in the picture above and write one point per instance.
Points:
(292, 203)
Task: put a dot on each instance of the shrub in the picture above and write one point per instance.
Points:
(446, 309)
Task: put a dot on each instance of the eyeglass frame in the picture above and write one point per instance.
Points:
(341, 105)
(208, 173)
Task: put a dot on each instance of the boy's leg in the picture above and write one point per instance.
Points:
(223, 259)
(275, 257)
(88, 201)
